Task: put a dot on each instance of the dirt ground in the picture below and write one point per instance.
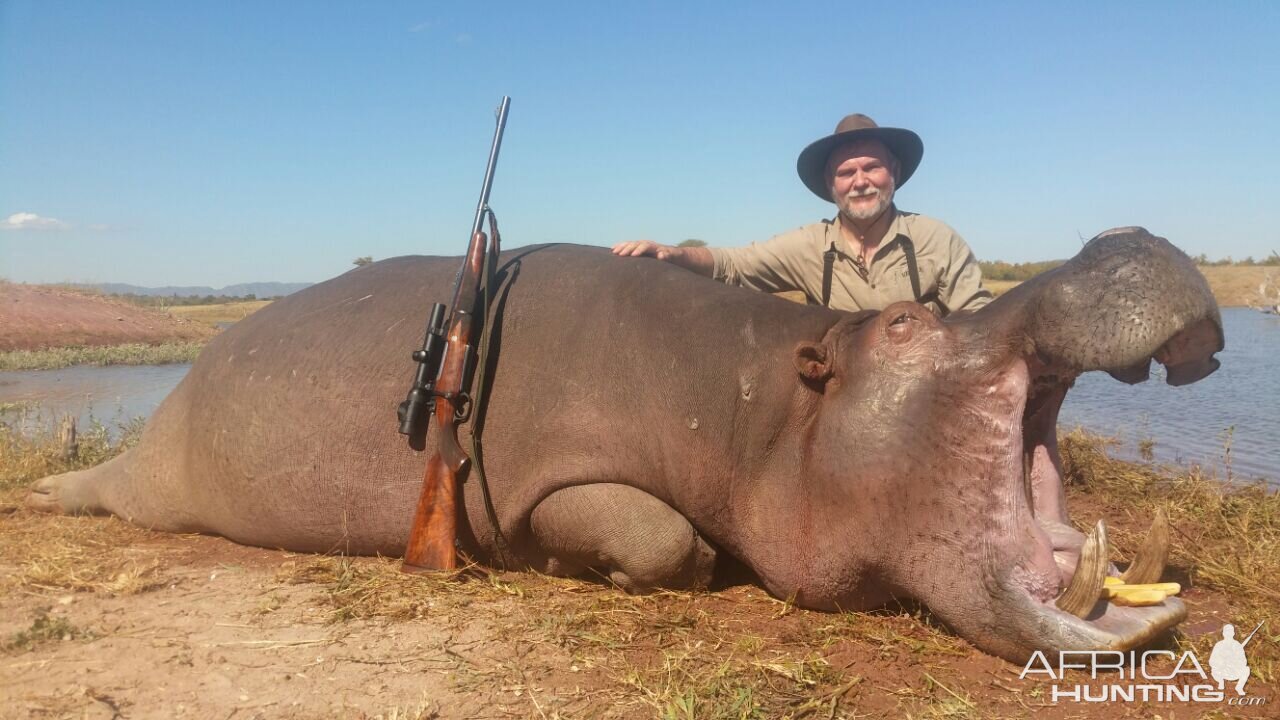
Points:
(35, 317)
(105, 620)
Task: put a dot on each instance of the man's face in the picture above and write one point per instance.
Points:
(861, 176)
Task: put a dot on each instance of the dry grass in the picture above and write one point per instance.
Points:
(1000, 287)
(68, 554)
(738, 654)
(1230, 534)
(25, 458)
(218, 312)
(1225, 537)
(59, 554)
(1237, 285)
(734, 653)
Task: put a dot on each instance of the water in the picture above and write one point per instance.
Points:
(112, 395)
(1236, 407)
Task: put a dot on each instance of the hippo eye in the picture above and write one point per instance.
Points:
(903, 317)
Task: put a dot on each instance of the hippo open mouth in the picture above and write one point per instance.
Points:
(1067, 598)
(1053, 596)
(969, 470)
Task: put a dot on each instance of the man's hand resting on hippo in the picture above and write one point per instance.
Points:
(696, 259)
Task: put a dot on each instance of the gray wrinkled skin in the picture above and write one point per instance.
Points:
(645, 421)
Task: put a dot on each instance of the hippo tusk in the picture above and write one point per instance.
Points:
(1148, 565)
(1085, 588)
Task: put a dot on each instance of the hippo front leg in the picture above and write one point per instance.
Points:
(631, 537)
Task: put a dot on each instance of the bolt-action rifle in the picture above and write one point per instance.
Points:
(441, 388)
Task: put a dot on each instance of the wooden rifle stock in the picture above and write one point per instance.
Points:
(435, 522)
(433, 537)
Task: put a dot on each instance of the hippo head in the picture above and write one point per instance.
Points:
(941, 436)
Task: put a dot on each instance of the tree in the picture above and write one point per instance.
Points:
(362, 261)
(692, 242)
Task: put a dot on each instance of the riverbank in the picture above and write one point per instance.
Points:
(94, 606)
(35, 317)
(126, 354)
(46, 328)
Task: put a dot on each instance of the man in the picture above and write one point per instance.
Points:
(1227, 661)
(870, 255)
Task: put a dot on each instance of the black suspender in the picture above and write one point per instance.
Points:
(828, 260)
(913, 272)
(909, 249)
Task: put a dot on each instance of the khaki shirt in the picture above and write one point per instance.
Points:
(793, 261)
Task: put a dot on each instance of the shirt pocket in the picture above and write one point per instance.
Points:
(931, 284)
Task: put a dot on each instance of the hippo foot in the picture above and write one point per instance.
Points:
(624, 534)
(72, 493)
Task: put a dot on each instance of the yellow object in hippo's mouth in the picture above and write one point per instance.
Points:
(1137, 598)
(1139, 595)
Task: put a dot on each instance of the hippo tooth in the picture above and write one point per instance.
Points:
(1085, 588)
(1148, 565)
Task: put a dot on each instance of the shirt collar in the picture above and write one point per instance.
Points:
(897, 229)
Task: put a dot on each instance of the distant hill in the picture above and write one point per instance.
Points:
(259, 290)
(36, 317)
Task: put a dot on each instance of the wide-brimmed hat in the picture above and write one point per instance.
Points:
(904, 144)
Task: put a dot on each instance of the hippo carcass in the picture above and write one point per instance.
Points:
(644, 420)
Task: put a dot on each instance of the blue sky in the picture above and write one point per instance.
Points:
(213, 143)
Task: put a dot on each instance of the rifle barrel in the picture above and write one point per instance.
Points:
(1255, 632)
(493, 163)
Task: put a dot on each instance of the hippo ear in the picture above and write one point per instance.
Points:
(813, 361)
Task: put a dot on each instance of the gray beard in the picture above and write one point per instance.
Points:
(885, 200)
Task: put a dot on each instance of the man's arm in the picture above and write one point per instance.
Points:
(964, 290)
(776, 265)
(695, 259)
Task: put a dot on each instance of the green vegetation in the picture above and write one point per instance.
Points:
(129, 354)
(1271, 261)
(1000, 270)
(44, 628)
(157, 301)
(169, 301)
